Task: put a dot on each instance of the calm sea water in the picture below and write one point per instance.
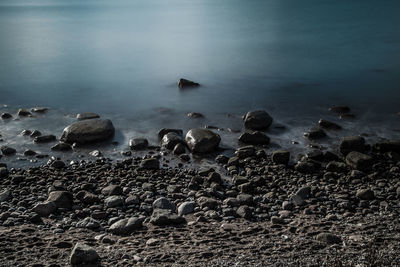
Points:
(122, 59)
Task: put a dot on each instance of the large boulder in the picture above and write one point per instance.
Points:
(202, 140)
(88, 131)
(257, 120)
(352, 143)
(359, 161)
(84, 255)
(255, 138)
(170, 140)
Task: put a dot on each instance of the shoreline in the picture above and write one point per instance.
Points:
(252, 208)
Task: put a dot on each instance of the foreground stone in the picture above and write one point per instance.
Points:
(84, 255)
(126, 226)
(88, 131)
(352, 143)
(257, 120)
(45, 209)
(202, 140)
(359, 161)
(62, 199)
(163, 217)
(170, 140)
(138, 143)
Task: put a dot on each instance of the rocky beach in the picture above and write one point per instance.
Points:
(188, 200)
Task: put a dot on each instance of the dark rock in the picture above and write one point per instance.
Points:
(6, 116)
(62, 199)
(179, 149)
(245, 152)
(25, 132)
(330, 156)
(88, 223)
(163, 203)
(207, 202)
(182, 83)
(7, 151)
(23, 113)
(84, 255)
(315, 133)
(352, 143)
(114, 201)
(126, 226)
(45, 208)
(61, 147)
(244, 212)
(202, 140)
(359, 161)
(163, 217)
(150, 164)
(87, 116)
(280, 157)
(365, 194)
(3, 172)
(315, 155)
(347, 116)
(88, 131)
(184, 157)
(304, 192)
(335, 166)
(45, 139)
(112, 190)
(195, 115)
(39, 109)
(257, 120)
(255, 138)
(57, 164)
(222, 159)
(95, 153)
(305, 167)
(35, 133)
(87, 197)
(328, 238)
(164, 131)
(138, 143)
(186, 208)
(170, 140)
(340, 109)
(5, 195)
(328, 125)
(387, 146)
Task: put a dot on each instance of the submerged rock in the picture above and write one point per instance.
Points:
(61, 147)
(315, 133)
(23, 113)
(257, 120)
(195, 115)
(8, 151)
(87, 116)
(88, 131)
(39, 109)
(202, 140)
(340, 109)
(328, 125)
(182, 83)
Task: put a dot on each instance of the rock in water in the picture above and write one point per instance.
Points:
(45, 138)
(340, 109)
(6, 150)
(164, 131)
(257, 120)
(315, 133)
(84, 255)
(280, 157)
(6, 116)
(182, 83)
(88, 131)
(61, 147)
(328, 125)
(352, 143)
(138, 143)
(87, 116)
(39, 109)
(256, 138)
(202, 140)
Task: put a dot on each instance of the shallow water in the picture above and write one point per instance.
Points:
(122, 59)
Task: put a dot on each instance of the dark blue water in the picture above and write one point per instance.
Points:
(122, 59)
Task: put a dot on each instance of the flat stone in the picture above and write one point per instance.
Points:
(87, 116)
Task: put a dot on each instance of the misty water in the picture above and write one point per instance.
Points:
(122, 59)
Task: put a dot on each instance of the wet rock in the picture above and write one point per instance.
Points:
(359, 161)
(255, 138)
(315, 133)
(95, 153)
(39, 109)
(280, 157)
(25, 132)
(202, 140)
(138, 143)
(8, 151)
(6, 116)
(170, 140)
(126, 226)
(222, 159)
(352, 143)
(182, 83)
(304, 192)
(387, 146)
(184, 157)
(257, 120)
(61, 147)
(57, 164)
(150, 164)
(245, 152)
(328, 125)
(365, 194)
(45, 208)
(179, 149)
(84, 255)
(163, 203)
(35, 133)
(163, 217)
(62, 199)
(329, 238)
(186, 208)
(305, 167)
(88, 131)
(315, 155)
(87, 116)
(340, 109)
(45, 138)
(23, 113)
(195, 115)
(3, 172)
(164, 131)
